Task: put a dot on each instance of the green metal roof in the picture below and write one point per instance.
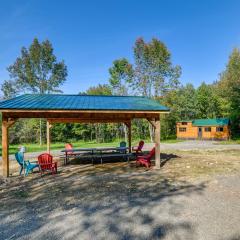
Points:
(81, 102)
(211, 122)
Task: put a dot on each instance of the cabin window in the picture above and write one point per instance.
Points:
(182, 129)
(219, 129)
(208, 129)
(184, 123)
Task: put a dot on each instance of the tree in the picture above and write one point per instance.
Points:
(154, 73)
(100, 89)
(183, 105)
(207, 102)
(229, 87)
(121, 74)
(35, 71)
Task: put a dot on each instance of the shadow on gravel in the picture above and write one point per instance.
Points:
(164, 159)
(113, 201)
(167, 157)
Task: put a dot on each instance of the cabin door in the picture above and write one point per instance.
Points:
(200, 132)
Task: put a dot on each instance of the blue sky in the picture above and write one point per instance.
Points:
(89, 35)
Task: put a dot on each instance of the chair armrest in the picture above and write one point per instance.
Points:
(34, 162)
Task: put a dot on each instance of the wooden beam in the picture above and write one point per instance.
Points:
(157, 145)
(82, 116)
(48, 136)
(6, 124)
(86, 120)
(83, 111)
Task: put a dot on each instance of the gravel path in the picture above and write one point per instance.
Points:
(197, 145)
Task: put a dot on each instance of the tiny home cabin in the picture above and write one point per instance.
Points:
(208, 129)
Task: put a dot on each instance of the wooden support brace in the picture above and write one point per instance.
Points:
(152, 123)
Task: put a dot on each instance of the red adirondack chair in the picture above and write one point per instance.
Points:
(69, 146)
(138, 149)
(70, 153)
(145, 160)
(46, 163)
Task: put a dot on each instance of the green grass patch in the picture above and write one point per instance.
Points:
(35, 147)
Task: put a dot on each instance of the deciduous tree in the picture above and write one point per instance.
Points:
(36, 70)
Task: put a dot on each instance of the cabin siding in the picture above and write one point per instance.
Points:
(192, 132)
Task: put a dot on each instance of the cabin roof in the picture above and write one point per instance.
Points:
(209, 122)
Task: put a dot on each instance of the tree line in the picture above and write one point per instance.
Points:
(151, 74)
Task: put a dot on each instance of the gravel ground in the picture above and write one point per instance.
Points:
(118, 204)
(118, 201)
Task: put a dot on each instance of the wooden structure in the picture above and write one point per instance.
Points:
(208, 129)
(57, 108)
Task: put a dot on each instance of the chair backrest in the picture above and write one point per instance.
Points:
(69, 147)
(45, 158)
(123, 144)
(140, 145)
(151, 154)
(19, 158)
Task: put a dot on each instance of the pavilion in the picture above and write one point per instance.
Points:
(61, 108)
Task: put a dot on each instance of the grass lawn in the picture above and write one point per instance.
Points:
(35, 147)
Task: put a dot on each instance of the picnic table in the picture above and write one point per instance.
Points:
(96, 153)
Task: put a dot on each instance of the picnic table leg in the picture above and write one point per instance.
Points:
(92, 158)
(65, 160)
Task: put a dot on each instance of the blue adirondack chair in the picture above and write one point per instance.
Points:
(122, 145)
(25, 164)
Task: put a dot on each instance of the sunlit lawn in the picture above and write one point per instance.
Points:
(35, 147)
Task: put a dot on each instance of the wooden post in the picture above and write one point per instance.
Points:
(6, 123)
(48, 136)
(157, 144)
(130, 136)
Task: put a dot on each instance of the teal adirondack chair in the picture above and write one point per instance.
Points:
(123, 145)
(25, 164)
